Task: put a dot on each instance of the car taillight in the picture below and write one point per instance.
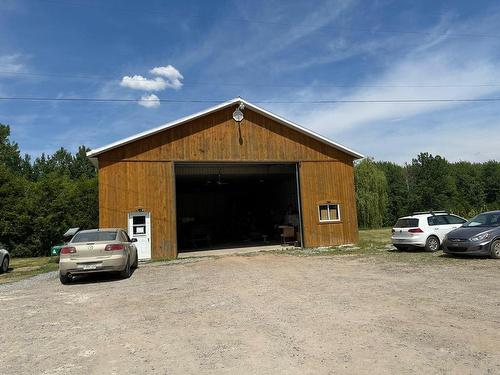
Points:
(68, 250)
(112, 247)
(415, 230)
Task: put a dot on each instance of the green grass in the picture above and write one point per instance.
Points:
(22, 268)
(376, 244)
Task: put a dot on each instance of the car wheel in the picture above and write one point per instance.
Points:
(64, 278)
(495, 249)
(136, 261)
(125, 274)
(5, 265)
(432, 244)
(401, 248)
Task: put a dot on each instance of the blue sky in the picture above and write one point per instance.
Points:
(262, 51)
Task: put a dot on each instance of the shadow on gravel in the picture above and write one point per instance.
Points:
(463, 256)
(409, 250)
(442, 255)
(98, 277)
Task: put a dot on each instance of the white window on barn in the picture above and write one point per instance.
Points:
(329, 212)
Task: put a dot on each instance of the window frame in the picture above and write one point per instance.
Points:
(329, 220)
(437, 218)
(461, 219)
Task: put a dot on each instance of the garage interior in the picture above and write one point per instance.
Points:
(236, 205)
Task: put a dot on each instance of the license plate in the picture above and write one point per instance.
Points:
(89, 266)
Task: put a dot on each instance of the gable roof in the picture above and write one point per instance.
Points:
(94, 153)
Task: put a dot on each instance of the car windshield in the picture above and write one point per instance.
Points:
(94, 236)
(490, 219)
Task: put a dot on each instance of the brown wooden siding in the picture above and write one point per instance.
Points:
(125, 187)
(333, 182)
(141, 175)
(216, 137)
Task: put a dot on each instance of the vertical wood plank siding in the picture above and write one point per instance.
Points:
(333, 182)
(217, 137)
(141, 174)
(126, 186)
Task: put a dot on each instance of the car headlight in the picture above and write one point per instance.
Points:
(480, 237)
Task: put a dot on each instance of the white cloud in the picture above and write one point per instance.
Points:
(138, 82)
(149, 101)
(11, 63)
(440, 66)
(172, 75)
(450, 81)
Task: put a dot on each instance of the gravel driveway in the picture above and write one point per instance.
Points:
(263, 314)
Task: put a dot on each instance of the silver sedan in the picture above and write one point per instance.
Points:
(98, 250)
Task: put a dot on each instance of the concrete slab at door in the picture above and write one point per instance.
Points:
(139, 227)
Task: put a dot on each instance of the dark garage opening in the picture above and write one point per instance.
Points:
(236, 205)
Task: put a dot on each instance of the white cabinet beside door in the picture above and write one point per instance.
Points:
(139, 227)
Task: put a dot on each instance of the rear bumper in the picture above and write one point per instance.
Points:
(466, 247)
(114, 263)
(415, 241)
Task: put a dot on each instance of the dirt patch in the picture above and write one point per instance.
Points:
(262, 314)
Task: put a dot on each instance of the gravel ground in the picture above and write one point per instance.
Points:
(263, 314)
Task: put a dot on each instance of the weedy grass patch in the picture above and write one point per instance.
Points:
(22, 268)
(376, 244)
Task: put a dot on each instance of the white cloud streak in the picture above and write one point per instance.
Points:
(149, 101)
(457, 68)
(11, 63)
(138, 82)
(435, 69)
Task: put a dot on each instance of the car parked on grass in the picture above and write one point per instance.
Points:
(56, 249)
(4, 260)
(98, 250)
(424, 229)
(479, 236)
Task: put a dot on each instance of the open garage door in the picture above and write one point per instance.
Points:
(236, 205)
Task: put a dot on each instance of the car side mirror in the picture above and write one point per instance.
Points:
(133, 240)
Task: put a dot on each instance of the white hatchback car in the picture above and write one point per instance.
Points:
(424, 229)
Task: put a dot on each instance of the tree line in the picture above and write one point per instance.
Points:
(41, 198)
(386, 191)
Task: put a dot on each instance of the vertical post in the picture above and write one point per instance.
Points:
(174, 208)
(299, 206)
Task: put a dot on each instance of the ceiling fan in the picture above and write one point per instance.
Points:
(218, 181)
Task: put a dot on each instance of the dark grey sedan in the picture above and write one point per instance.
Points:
(479, 236)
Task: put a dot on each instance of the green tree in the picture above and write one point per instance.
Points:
(470, 198)
(12, 209)
(397, 191)
(81, 165)
(371, 194)
(432, 187)
(39, 201)
(10, 155)
(491, 178)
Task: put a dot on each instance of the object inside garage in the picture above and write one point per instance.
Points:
(236, 205)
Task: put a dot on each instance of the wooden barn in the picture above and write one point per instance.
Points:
(234, 175)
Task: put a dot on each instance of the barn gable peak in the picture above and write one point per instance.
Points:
(233, 102)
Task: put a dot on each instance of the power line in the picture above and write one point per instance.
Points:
(287, 24)
(326, 101)
(250, 84)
